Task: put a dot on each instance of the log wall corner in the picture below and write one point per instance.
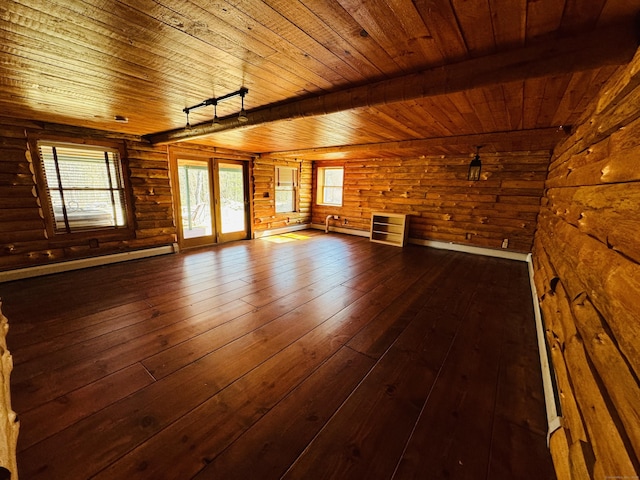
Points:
(586, 258)
(9, 425)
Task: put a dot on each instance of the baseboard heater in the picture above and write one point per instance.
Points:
(59, 267)
(551, 399)
(281, 230)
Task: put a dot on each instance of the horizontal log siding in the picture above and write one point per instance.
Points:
(264, 194)
(586, 268)
(442, 203)
(23, 236)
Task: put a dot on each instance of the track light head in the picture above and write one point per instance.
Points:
(242, 117)
(216, 121)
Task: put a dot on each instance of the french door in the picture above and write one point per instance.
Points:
(232, 200)
(211, 200)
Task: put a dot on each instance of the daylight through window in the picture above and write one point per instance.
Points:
(330, 180)
(286, 184)
(85, 186)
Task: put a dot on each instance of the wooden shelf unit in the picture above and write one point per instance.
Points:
(389, 228)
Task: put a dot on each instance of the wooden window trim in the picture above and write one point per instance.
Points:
(100, 233)
(319, 197)
(295, 187)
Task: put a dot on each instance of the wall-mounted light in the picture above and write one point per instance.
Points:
(242, 117)
(475, 167)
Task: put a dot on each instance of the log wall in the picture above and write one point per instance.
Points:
(9, 424)
(23, 236)
(587, 273)
(264, 187)
(443, 205)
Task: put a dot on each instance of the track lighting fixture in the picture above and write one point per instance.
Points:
(242, 117)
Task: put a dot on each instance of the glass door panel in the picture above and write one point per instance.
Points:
(194, 185)
(233, 200)
(211, 199)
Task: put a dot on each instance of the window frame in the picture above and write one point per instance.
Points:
(293, 188)
(320, 185)
(126, 231)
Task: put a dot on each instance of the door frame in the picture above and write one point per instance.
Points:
(212, 161)
(240, 235)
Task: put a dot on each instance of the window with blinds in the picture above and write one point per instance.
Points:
(286, 185)
(330, 183)
(84, 185)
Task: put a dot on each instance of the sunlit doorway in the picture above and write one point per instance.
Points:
(210, 198)
(194, 185)
(232, 196)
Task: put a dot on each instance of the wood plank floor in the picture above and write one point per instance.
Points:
(305, 356)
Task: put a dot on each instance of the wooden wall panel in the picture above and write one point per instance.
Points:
(20, 243)
(23, 237)
(264, 186)
(587, 271)
(149, 175)
(443, 204)
(9, 423)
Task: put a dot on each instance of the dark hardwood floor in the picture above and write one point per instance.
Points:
(305, 356)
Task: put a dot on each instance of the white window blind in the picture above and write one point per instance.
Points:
(330, 183)
(85, 186)
(286, 184)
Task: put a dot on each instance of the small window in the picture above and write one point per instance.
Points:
(330, 180)
(84, 186)
(286, 186)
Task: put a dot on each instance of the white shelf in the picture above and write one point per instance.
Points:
(389, 228)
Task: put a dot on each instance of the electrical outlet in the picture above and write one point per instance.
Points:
(505, 243)
(345, 221)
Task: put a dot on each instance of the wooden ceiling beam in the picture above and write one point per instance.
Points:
(538, 138)
(611, 46)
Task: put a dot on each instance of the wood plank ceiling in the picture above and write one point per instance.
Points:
(326, 78)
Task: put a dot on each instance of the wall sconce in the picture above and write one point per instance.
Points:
(242, 117)
(475, 167)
